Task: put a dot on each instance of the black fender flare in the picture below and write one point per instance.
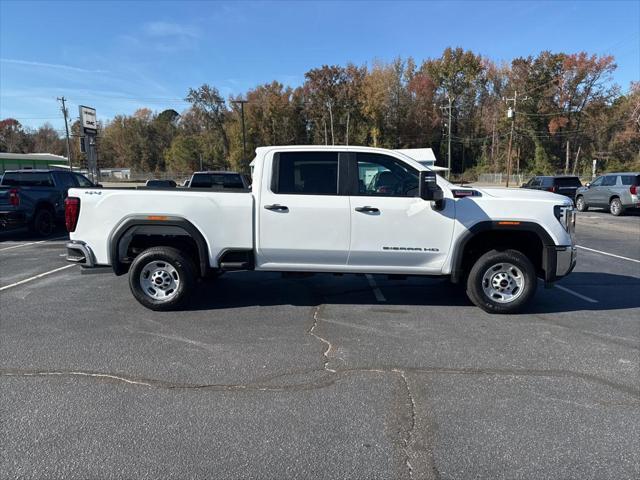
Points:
(549, 256)
(161, 223)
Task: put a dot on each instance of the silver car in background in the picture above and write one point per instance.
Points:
(616, 191)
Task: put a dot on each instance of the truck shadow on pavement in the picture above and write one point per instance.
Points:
(247, 289)
(25, 235)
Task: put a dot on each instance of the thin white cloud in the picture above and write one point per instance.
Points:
(57, 66)
(166, 29)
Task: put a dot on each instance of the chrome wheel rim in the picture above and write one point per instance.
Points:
(503, 282)
(615, 207)
(580, 204)
(159, 280)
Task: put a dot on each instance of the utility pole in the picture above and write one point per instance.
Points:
(448, 108)
(66, 128)
(511, 113)
(244, 134)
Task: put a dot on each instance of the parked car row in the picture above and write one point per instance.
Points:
(617, 192)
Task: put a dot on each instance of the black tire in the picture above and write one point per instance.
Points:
(170, 267)
(615, 207)
(581, 204)
(484, 270)
(43, 223)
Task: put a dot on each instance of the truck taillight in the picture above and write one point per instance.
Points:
(71, 213)
(633, 189)
(553, 189)
(14, 197)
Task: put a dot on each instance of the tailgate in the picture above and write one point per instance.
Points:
(4, 199)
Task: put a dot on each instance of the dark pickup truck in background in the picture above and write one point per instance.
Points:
(35, 198)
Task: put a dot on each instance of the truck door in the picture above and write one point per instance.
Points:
(303, 216)
(392, 229)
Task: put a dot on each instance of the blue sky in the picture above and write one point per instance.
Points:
(120, 56)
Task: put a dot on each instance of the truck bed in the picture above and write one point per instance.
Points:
(223, 217)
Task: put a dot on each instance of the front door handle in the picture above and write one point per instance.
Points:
(367, 209)
(277, 208)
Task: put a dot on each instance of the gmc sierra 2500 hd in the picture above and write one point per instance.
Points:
(328, 209)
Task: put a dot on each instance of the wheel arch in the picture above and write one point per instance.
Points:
(121, 237)
(511, 230)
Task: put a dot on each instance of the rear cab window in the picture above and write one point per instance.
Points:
(305, 173)
(27, 179)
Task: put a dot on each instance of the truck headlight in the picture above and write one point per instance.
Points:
(566, 215)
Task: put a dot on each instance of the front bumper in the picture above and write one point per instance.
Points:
(559, 261)
(79, 252)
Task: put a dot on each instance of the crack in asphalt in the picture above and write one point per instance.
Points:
(262, 383)
(407, 437)
(311, 331)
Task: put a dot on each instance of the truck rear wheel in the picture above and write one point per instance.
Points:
(161, 278)
(502, 281)
(43, 223)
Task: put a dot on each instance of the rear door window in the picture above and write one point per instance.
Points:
(82, 180)
(65, 180)
(609, 181)
(306, 173)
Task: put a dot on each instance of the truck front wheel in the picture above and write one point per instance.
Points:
(161, 278)
(502, 281)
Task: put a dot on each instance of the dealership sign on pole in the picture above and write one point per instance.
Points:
(88, 119)
(89, 123)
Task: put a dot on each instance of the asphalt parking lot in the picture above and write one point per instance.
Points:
(328, 377)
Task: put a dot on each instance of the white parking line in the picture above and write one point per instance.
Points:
(36, 277)
(31, 243)
(608, 254)
(376, 290)
(576, 294)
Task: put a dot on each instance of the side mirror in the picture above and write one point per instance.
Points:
(524, 185)
(428, 188)
(98, 185)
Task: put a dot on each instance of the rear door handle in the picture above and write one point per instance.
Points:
(277, 208)
(367, 209)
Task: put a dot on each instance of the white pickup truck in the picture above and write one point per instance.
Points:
(327, 209)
